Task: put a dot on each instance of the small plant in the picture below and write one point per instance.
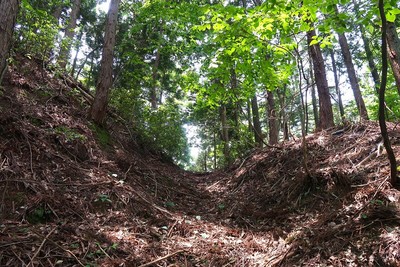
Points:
(377, 202)
(39, 215)
(69, 134)
(102, 135)
(169, 204)
(103, 198)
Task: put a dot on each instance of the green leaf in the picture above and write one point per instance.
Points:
(390, 16)
(314, 42)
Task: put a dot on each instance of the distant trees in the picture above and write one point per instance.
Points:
(8, 14)
(247, 73)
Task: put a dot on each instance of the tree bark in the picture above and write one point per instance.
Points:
(381, 112)
(325, 105)
(8, 15)
(338, 93)
(153, 89)
(98, 110)
(368, 51)
(256, 122)
(393, 47)
(249, 117)
(69, 35)
(225, 133)
(282, 113)
(272, 119)
(348, 61)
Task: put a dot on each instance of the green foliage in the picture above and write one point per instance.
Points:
(69, 134)
(101, 134)
(36, 30)
(39, 215)
(103, 198)
(164, 129)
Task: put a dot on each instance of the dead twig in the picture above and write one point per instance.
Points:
(162, 258)
(41, 246)
(171, 229)
(102, 250)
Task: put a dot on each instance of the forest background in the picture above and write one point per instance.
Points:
(242, 74)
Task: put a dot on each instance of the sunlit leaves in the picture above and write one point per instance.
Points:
(391, 14)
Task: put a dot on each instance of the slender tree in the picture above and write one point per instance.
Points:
(338, 93)
(393, 48)
(69, 34)
(256, 121)
(368, 51)
(325, 105)
(98, 110)
(225, 133)
(348, 61)
(382, 123)
(8, 15)
(272, 119)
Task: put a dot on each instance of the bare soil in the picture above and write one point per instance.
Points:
(75, 194)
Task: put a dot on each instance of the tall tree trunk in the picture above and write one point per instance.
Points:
(348, 61)
(282, 113)
(314, 97)
(393, 48)
(225, 133)
(237, 106)
(153, 88)
(381, 112)
(215, 150)
(272, 119)
(77, 47)
(256, 122)
(8, 15)
(368, 51)
(325, 105)
(98, 110)
(69, 35)
(249, 116)
(338, 93)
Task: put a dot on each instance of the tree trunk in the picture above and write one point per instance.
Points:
(393, 48)
(272, 119)
(77, 47)
(325, 105)
(69, 35)
(348, 61)
(153, 89)
(368, 51)
(8, 15)
(98, 110)
(282, 113)
(338, 93)
(249, 116)
(225, 133)
(215, 150)
(256, 122)
(314, 97)
(381, 112)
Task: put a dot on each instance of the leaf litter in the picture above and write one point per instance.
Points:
(70, 199)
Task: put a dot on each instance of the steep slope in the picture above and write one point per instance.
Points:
(74, 194)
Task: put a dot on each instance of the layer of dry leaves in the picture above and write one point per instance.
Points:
(68, 199)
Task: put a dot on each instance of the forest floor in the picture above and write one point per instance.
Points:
(75, 194)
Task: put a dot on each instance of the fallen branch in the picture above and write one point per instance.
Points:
(162, 258)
